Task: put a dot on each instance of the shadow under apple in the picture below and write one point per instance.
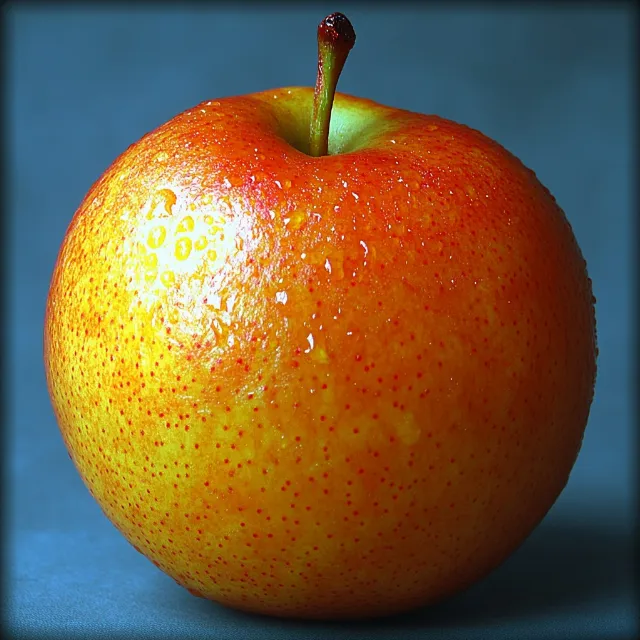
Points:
(561, 566)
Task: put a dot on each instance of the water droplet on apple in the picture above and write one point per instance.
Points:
(281, 297)
(151, 260)
(310, 341)
(183, 248)
(186, 225)
(167, 278)
(156, 237)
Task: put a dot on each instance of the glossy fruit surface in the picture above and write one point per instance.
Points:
(320, 387)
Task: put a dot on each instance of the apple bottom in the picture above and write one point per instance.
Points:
(332, 598)
(343, 608)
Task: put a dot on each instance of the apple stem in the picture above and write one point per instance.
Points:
(336, 38)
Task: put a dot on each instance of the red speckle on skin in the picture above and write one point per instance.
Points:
(471, 268)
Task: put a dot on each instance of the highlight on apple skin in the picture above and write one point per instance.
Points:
(335, 384)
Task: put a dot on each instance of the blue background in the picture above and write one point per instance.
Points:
(551, 84)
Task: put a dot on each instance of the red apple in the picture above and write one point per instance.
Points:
(321, 384)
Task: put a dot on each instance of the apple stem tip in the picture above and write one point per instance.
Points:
(338, 30)
(336, 38)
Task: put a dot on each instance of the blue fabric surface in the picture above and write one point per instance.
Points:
(551, 84)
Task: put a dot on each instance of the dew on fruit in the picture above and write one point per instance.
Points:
(281, 297)
(167, 278)
(183, 248)
(151, 260)
(310, 341)
(186, 224)
(156, 237)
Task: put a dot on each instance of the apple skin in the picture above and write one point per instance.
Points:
(325, 387)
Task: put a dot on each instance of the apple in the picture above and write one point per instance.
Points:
(317, 357)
